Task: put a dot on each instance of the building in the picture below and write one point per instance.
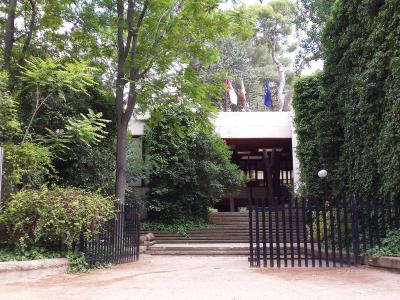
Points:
(263, 145)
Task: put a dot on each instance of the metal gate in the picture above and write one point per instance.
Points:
(118, 242)
(305, 233)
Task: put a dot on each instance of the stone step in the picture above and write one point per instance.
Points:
(209, 249)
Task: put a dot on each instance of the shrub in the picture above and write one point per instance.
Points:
(191, 167)
(25, 164)
(9, 124)
(54, 219)
(390, 245)
(328, 223)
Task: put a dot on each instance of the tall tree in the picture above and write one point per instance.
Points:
(9, 33)
(273, 26)
(310, 21)
(155, 40)
(37, 27)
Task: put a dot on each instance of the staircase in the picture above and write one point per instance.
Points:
(229, 235)
(226, 228)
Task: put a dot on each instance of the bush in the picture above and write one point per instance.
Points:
(328, 236)
(191, 167)
(25, 164)
(390, 245)
(53, 219)
(9, 124)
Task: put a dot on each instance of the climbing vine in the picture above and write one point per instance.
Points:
(357, 114)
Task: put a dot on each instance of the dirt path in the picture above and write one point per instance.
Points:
(172, 277)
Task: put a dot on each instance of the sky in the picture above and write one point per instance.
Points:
(314, 66)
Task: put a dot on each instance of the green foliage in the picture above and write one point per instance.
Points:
(182, 228)
(9, 124)
(390, 246)
(318, 220)
(357, 126)
(55, 76)
(91, 169)
(307, 106)
(31, 254)
(53, 219)
(311, 18)
(25, 164)
(77, 262)
(191, 166)
(87, 130)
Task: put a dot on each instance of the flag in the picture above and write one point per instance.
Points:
(231, 92)
(243, 96)
(267, 98)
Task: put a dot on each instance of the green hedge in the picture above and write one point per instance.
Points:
(52, 219)
(306, 102)
(357, 134)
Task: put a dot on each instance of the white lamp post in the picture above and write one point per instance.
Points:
(323, 173)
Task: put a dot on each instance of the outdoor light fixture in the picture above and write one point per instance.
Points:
(323, 173)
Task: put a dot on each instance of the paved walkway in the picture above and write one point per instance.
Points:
(173, 277)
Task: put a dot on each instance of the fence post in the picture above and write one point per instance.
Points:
(355, 230)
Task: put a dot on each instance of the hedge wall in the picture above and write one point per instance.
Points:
(358, 124)
(306, 102)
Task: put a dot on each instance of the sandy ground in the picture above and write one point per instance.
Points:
(172, 277)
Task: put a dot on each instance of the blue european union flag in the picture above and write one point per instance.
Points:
(267, 98)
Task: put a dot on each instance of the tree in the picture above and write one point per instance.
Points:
(36, 18)
(50, 79)
(191, 166)
(311, 18)
(153, 38)
(274, 25)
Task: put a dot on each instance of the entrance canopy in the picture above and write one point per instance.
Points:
(254, 125)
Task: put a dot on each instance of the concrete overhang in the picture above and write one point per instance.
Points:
(254, 125)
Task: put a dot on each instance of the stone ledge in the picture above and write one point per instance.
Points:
(32, 270)
(11, 266)
(383, 262)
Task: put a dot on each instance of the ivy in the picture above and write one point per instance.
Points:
(356, 117)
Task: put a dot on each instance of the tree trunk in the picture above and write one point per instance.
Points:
(282, 77)
(31, 29)
(121, 163)
(9, 35)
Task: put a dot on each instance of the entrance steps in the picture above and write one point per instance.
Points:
(217, 249)
(193, 249)
(228, 235)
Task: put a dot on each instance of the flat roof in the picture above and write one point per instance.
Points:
(250, 125)
(241, 125)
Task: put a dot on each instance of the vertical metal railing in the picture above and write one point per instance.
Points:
(117, 242)
(317, 233)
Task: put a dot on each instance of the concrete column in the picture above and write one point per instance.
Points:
(296, 163)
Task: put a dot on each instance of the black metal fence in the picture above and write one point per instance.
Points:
(118, 241)
(307, 233)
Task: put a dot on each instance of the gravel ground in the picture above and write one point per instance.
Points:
(173, 277)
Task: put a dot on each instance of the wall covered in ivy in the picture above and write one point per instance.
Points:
(357, 115)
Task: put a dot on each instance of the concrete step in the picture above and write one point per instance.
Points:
(208, 249)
